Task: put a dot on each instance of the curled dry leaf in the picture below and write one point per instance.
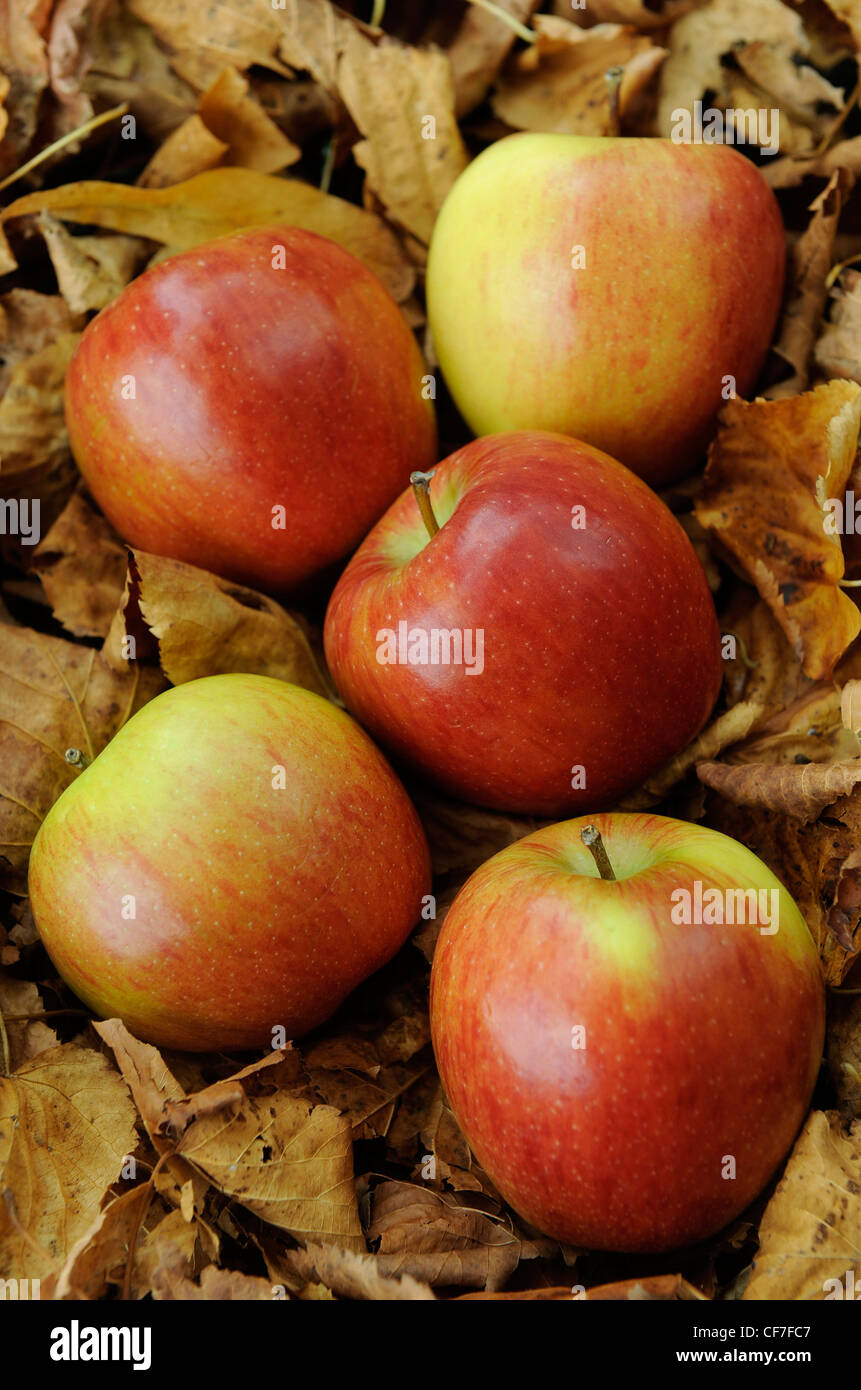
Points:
(810, 1235)
(809, 264)
(818, 862)
(843, 1052)
(216, 1285)
(32, 425)
(729, 728)
(763, 669)
(838, 351)
(25, 65)
(171, 1250)
(66, 1127)
(789, 790)
(26, 1036)
(189, 150)
(234, 115)
(480, 45)
(461, 837)
(30, 322)
(127, 63)
(82, 565)
(91, 270)
(809, 730)
(54, 695)
(559, 83)
(770, 473)
(842, 159)
(349, 1275)
(98, 1259)
(438, 1241)
(206, 626)
(221, 201)
(850, 705)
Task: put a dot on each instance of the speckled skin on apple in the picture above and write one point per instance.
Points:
(606, 288)
(601, 644)
(260, 899)
(699, 1043)
(262, 378)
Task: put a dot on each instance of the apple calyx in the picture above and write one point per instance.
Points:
(420, 483)
(75, 758)
(591, 837)
(613, 78)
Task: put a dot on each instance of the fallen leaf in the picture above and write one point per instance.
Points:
(91, 270)
(241, 33)
(843, 1052)
(170, 1251)
(25, 64)
(809, 264)
(818, 863)
(220, 201)
(462, 837)
(559, 83)
(438, 1241)
(808, 730)
(27, 1037)
(30, 322)
(82, 565)
(656, 1287)
(207, 626)
(811, 1231)
(189, 150)
(770, 472)
(729, 728)
(54, 695)
(838, 350)
(350, 1275)
(66, 1127)
(216, 1285)
(32, 424)
(99, 1257)
(234, 115)
(480, 45)
(801, 792)
(127, 63)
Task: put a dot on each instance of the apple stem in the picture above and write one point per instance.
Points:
(613, 78)
(591, 837)
(421, 487)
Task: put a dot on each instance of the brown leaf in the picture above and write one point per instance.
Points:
(30, 322)
(844, 159)
(220, 201)
(655, 1287)
(189, 150)
(27, 1037)
(99, 1258)
(241, 33)
(818, 863)
(234, 115)
(808, 730)
(172, 1250)
(811, 1231)
(82, 565)
(127, 63)
(480, 45)
(392, 92)
(25, 64)
(206, 626)
(789, 790)
(91, 270)
(32, 424)
(838, 351)
(66, 1126)
(844, 1052)
(559, 83)
(729, 728)
(354, 1276)
(54, 695)
(438, 1241)
(216, 1285)
(809, 264)
(769, 475)
(461, 837)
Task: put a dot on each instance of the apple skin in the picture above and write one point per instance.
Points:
(700, 1042)
(255, 906)
(602, 648)
(255, 387)
(685, 260)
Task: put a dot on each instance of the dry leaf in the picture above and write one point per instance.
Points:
(189, 150)
(26, 1037)
(170, 1251)
(838, 351)
(461, 837)
(32, 424)
(801, 792)
(723, 732)
(843, 1051)
(216, 1285)
(809, 730)
(770, 472)
(206, 626)
(66, 1127)
(559, 83)
(235, 116)
(241, 33)
(30, 322)
(126, 63)
(818, 863)
(54, 695)
(349, 1275)
(402, 101)
(432, 1237)
(25, 64)
(479, 48)
(809, 264)
(91, 270)
(810, 1235)
(82, 565)
(850, 705)
(99, 1258)
(221, 201)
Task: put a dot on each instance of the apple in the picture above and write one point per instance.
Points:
(549, 647)
(236, 860)
(220, 406)
(617, 290)
(627, 1063)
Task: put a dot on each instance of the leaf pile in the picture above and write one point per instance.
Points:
(333, 1168)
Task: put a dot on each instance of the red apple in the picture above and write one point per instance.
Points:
(628, 1069)
(220, 407)
(590, 646)
(615, 290)
(235, 861)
